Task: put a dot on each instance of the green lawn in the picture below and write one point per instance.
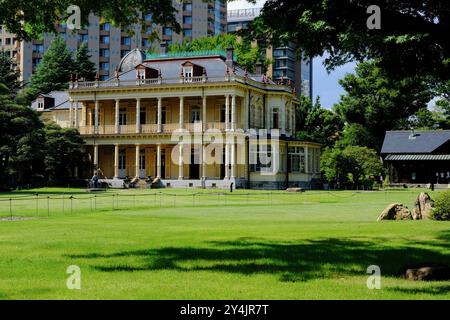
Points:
(249, 245)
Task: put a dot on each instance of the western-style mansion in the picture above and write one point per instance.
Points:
(192, 120)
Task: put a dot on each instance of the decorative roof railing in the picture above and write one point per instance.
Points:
(186, 54)
(117, 83)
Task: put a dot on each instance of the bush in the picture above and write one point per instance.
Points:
(442, 206)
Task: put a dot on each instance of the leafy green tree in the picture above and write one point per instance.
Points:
(412, 40)
(84, 67)
(53, 73)
(30, 19)
(314, 123)
(8, 75)
(64, 150)
(246, 53)
(21, 136)
(353, 165)
(354, 134)
(379, 103)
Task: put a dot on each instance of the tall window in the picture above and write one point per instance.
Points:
(122, 117)
(143, 117)
(275, 119)
(188, 73)
(260, 158)
(195, 115)
(122, 160)
(142, 160)
(297, 159)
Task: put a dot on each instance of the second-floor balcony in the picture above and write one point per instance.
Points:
(149, 128)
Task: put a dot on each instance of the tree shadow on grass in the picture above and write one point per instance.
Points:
(302, 260)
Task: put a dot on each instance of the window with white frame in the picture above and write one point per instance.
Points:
(122, 117)
(297, 159)
(260, 158)
(188, 73)
(40, 104)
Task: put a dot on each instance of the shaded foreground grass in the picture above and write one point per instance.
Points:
(313, 245)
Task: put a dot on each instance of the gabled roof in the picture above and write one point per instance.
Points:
(404, 142)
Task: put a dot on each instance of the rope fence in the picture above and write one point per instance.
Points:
(47, 205)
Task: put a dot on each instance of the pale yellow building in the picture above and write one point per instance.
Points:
(193, 120)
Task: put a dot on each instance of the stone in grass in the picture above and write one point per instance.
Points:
(427, 272)
(295, 190)
(395, 211)
(423, 207)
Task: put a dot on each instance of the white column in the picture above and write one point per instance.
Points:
(204, 114)
(158, 160)
(137, 167)
(138, 115)
(233, 112)
(245, 107)
(227, 112)
(203, 162)
(181, 164)
(159, 115)
(227, 163)
(283, 119)
(268, 116)
(181, 112)
(70, 114)
(77, 124)
(233, 160)
(116, 161)
(116, 115)
(95, 157)
(96, 122)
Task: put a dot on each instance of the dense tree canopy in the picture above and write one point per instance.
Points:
(379, 103)
(353, 166)
(53, 73)
(412, 39)
(8, 76)
(246, 53)
(84, 67)
(29, 19)
(30, 151)
(313, 123)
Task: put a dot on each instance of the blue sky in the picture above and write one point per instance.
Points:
(324, 85)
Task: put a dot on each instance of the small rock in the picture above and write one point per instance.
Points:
(395, 211)
(427, 272)
(295, 190)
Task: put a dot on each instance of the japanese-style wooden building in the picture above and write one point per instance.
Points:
(417, 157)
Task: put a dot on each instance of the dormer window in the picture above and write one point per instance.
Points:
(40, 105)
(188, 73)
(143, 73)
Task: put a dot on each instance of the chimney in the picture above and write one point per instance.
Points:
(230, 57)
(259, 68)
(163, 46)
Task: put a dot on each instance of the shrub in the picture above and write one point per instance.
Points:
(442, 206)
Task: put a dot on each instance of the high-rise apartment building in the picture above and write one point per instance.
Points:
(108, 44)
(286, 66)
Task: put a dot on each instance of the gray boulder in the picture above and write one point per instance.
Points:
(423, 206)
(395, 211)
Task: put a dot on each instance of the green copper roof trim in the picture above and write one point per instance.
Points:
(188, 54)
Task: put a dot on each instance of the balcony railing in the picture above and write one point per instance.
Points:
(231, 77)
(147, 128)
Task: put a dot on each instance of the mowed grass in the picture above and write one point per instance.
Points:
(214, 245)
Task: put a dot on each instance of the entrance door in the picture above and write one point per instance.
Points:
(142, 164)
(163, 164)
(194, 168)
(222, 166)
(122, 165)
